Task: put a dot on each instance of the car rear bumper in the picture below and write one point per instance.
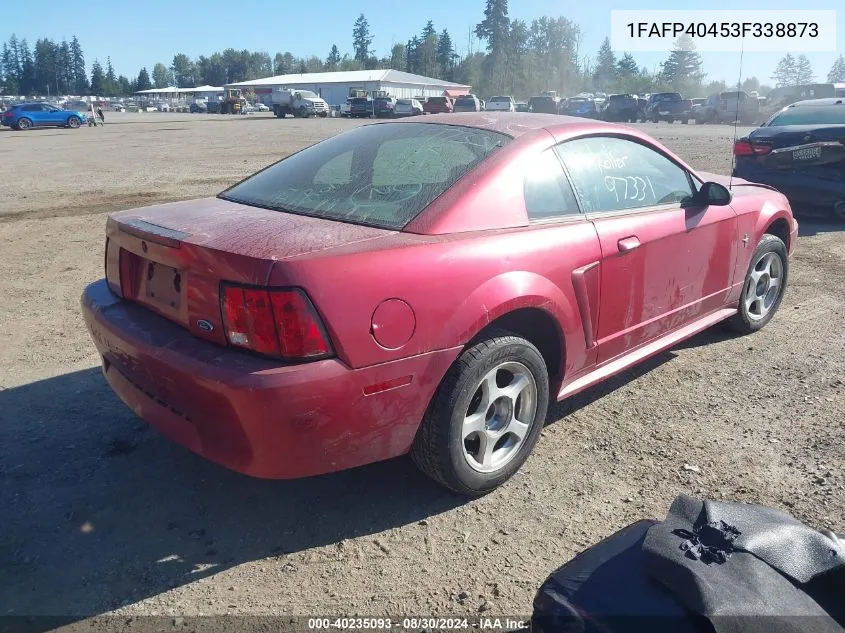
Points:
(799, 188)
(251, 414)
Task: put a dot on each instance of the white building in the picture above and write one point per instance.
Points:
(172, 92)
(334, 87)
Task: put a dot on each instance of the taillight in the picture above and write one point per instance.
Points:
(106, 260)
(273, 322)
(743, 148)
(128, 275)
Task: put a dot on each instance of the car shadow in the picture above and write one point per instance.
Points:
(100, 511)
(558, 411)
(818, 222)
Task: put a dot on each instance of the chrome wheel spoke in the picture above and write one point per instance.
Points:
(519, 429)
(516, 387)
(487, 442)
(474, 424)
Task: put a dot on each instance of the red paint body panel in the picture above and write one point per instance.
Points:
(398, 306)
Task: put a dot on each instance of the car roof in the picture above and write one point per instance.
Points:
(516, 124)
(827, 101)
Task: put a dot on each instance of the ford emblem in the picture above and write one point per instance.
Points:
(205, 326)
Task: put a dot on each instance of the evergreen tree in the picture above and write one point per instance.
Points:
(803, 71)
(495, 27)
(604, 74)
(445, 55)
(9, 68)
(333, 59)
(65, 68)
(683, 70)
(77, 64)
(411, 64)
(143, 82)
(397, 57)
(27, 76)
(97, 79)
(627, 66)
(785, 72)
(837, 71)
(361, 39)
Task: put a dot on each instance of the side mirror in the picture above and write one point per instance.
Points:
(710, 194)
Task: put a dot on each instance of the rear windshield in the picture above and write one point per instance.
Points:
(380, 175)
(465, 100)
(360, 101)
(830, 115)
(500, 100)
(542, 99)
(437, 99)
(404, 102)
(667, 96)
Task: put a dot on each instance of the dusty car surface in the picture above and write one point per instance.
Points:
(480, 281)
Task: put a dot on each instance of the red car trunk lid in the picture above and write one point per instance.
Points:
(171, 258)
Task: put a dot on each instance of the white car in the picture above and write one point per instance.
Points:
(118, 107)
(407, 107)
(501, 104)
(260, 107)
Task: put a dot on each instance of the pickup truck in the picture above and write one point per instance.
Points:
(667, 106)
(727, 107)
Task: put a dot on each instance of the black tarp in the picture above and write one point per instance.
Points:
(709, 566)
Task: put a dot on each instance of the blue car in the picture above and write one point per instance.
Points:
(28, 115)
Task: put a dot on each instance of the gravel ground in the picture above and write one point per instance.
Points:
(99, 514)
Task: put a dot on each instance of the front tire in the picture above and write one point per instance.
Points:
(485, 417)
(764, 285)
(73, 122)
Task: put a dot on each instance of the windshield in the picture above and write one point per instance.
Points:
(829, 115)
(669, 96)
(437, 100)
(463, 100)
(307, 94)
(500, 100)
(380, 175)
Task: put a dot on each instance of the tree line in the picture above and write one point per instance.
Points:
(512, 57)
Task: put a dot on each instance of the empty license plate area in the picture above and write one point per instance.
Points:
(163, 286)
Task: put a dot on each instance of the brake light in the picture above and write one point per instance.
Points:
(274, 322)
(8, 114)
(743, 148)
(128, 274)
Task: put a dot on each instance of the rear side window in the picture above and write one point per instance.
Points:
(379, 175)
(612, 174)
(547, 191)
(825, 115)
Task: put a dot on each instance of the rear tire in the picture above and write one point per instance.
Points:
(472, 439)
(24, 123)
(765, 283)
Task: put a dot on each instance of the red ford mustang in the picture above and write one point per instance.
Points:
(424, 286)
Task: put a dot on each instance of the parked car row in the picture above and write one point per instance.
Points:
(722, 107)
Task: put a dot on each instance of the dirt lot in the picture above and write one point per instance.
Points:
(99, 513)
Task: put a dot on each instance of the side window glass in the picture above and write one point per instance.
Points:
(613, 174)
(547, 190)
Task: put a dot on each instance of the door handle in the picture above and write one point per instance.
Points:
(627, 244)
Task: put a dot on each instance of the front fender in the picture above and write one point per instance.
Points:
(508, 292)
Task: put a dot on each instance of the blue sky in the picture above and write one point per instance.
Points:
(137, 34)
